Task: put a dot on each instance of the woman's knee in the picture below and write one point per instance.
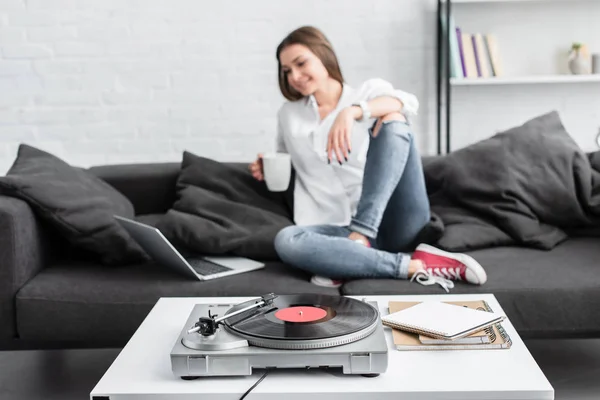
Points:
(385, 119)
(285, 240)
(393, 116)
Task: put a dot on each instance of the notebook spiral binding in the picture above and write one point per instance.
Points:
(498, 326)
(489, 331)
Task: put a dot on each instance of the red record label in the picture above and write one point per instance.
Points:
(301, 314)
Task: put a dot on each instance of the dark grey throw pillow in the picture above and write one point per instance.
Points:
(531, 184)
(221, 209)
(75, 202)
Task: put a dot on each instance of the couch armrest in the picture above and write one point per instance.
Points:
(22, 256)
(150, 187)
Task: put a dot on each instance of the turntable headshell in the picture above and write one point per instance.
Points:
(207, 326)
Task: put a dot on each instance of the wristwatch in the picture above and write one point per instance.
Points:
(366, 113)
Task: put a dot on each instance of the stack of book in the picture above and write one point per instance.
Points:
(472, 55)
(415, 330)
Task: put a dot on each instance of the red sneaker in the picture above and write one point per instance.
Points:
(448, 266)
(325, 282)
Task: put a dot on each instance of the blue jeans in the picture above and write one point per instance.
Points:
(392, 210)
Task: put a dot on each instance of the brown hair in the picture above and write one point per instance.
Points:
(317, 43)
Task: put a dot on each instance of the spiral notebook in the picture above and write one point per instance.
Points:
(407, 341)
(484, 336)
(441, 320)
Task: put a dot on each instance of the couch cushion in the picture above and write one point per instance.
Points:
(222, 209)
(531, 185)
(99, 305)
(149, 186)
(544, 293)
(77, 204)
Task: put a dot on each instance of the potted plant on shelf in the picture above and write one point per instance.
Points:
(578, 59)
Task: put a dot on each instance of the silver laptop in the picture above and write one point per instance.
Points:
(200, 267)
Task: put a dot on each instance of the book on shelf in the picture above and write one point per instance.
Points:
(492, 337)
(492, 49)
(476, 56)
(471, 55)
(481, 54)
(460, 51)
(456, 67)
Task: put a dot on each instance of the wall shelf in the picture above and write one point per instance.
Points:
(518, 80)
(446, 85)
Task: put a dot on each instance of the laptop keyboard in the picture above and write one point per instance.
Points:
(204, 267)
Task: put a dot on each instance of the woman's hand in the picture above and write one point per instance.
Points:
(340, 135)
(256, 168)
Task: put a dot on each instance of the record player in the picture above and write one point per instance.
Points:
(288, 331)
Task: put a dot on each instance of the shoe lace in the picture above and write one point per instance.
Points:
(426, 277)
(446, 272)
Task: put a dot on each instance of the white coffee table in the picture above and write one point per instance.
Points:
(143, 368)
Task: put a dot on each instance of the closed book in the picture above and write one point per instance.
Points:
(482, 56)
(407, 341)
(469, 55)
(476, 54)
(460, 51)
(455, 51)
(492, 48)
(456, 70)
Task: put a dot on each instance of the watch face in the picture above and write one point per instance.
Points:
(598, 139)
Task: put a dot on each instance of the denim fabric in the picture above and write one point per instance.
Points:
(392, 210)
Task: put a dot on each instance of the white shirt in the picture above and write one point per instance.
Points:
(329, 193)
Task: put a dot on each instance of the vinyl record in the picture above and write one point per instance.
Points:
(318, 317)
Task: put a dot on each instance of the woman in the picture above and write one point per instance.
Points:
(360, 198)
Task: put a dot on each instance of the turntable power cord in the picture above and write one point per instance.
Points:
(256, 384)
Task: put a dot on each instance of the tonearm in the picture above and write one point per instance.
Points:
(207, 326)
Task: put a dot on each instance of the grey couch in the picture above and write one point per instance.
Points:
(52, 296)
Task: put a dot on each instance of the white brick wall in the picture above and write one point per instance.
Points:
(111, 81)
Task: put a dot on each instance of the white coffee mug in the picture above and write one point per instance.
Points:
(277, 168)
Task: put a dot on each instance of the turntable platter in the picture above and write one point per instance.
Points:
(304, 321)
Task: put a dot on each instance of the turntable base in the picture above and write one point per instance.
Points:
(225, 354)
